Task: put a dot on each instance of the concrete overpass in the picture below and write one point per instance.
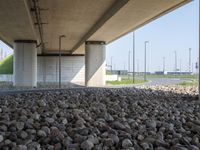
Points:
(33, 28)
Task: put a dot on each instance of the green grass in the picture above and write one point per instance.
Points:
(125, 81)
(172, 76)
(108, 73)
(189, 83)
(6, 65)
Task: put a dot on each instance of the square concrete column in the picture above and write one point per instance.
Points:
(25, 63)
(95, 63)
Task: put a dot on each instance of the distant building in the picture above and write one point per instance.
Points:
(139, 73)
(119, 72)
(160, 72)
(179, 73)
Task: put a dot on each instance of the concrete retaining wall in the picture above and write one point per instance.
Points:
(72, 69)
(113, 78)
(6, 77)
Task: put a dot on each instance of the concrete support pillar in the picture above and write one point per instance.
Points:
(95, 56)
(25, 63)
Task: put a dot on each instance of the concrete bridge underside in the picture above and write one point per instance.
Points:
(33, 27)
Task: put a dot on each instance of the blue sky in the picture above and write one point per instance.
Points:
(5, 48)
(176, 31)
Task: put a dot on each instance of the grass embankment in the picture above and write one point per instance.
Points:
(193, 82)
(172, 76)
(126, 80)
(6, 65)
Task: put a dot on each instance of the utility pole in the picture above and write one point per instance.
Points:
(111, 66)
(145, 60)
(133, 57)
(129, 65)
(180, 65)
(60, 38)
(163, 64)
(189, 69)
(138, 66)
(192, 67)
(197, 65)
(175, 61)
(124, 66)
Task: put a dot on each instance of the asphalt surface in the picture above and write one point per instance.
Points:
(151, 82)
(165, 81)
(154, 82)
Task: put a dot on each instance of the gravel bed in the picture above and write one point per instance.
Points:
(8, 86)
(100, 119)
(190, 90)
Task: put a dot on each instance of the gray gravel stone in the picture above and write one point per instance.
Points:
(42, 103)
(108, 142)
(7, 142)
(151, 124)
(49, 120)
(119, 126)
(98, 118)
(21, 147)
(41, 133)
(3, 128)
(34, 146)
(1, 138)
(87, 145)
(145, 146)
(126, 143)
(23, 134)
(114, 138)
(65, 121)
(20, 125)
(46, 130)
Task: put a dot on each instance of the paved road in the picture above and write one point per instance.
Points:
(165, 81)
(155, 81)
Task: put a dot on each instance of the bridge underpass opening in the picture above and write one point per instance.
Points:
(44, 21)
(106, 21)
(87, 118)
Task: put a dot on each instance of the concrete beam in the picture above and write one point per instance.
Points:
(152, 19)
(56, 54)
(106, 16)
(16, 21)
(45, 51)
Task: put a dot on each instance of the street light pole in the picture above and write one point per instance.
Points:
(111, 66)
(60, 37)
(189, 60)
(164, 65)
(133, 57)
(145, 60)
(175, 57)
(138, 66)
(129, 52)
